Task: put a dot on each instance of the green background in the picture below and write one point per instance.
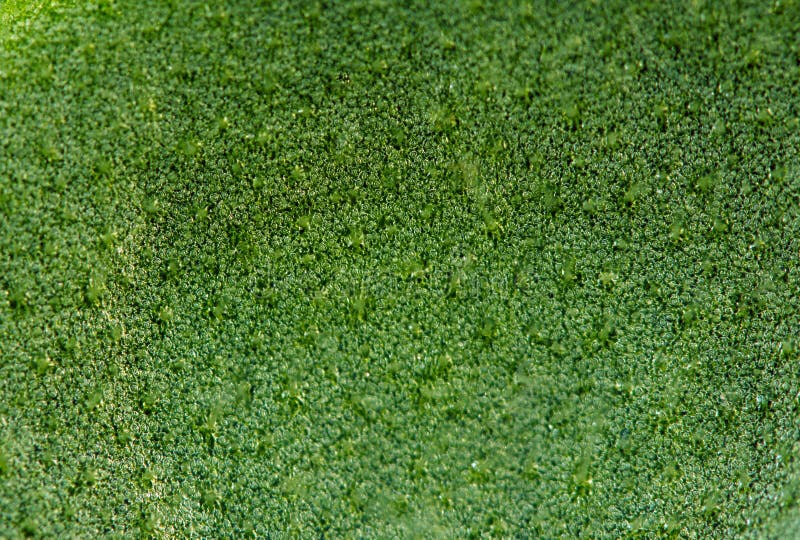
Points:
(399, 269)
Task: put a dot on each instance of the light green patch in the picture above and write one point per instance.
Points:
(14, 11)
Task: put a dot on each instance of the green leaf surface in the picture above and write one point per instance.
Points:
(378, 269)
